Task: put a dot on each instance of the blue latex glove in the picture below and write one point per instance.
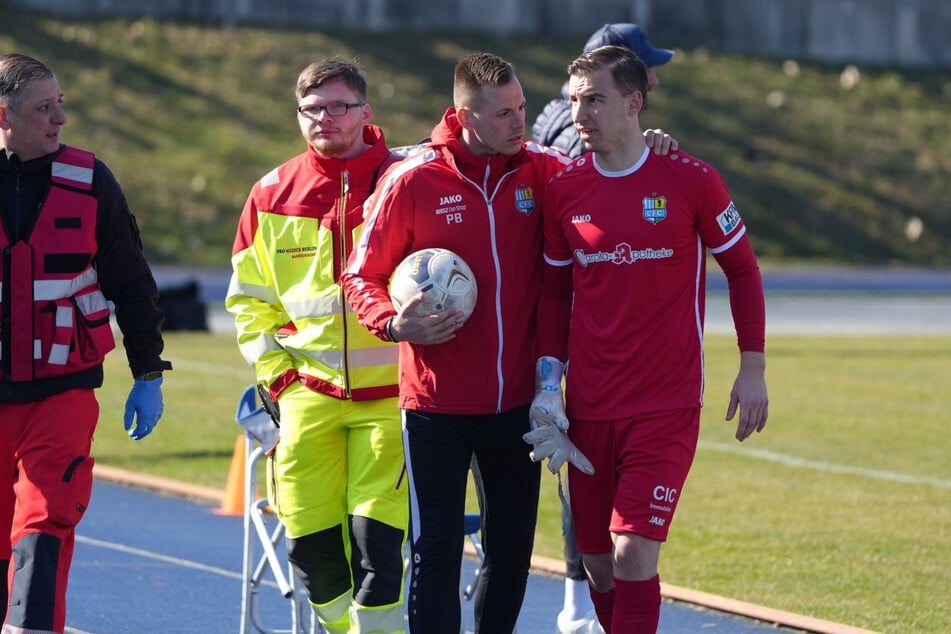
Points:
(144, 406)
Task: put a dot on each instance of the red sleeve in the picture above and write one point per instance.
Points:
(384, 241)
(554, 312)
(724, 233)
(247, 225)
(554, 302)
(747, 301)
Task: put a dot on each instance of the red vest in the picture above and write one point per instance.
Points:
(59, 318)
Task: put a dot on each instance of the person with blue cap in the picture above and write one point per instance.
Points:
(553, 127)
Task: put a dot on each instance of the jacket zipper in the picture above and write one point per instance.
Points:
(489, 204)
(342, 212)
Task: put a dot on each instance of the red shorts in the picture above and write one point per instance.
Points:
(640, 464)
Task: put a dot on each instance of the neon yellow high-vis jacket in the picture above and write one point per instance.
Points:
(297, 228)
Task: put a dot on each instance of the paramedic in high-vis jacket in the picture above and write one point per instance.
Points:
(336, 476)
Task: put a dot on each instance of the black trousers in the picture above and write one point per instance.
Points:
(440, 448)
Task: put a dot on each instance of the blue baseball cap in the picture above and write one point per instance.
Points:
(631, 36)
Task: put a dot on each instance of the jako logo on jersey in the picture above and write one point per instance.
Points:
(451, 208)
(655, 209)
(729, 219)
(580, 218)
(659, 521)
(525, 200)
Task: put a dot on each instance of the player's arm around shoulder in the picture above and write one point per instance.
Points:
(660, 142)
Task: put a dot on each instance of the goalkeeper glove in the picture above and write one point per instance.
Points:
(550, 442)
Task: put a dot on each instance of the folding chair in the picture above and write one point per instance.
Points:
(260, 541)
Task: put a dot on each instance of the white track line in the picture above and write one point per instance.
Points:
(795, 461)
(185, 563)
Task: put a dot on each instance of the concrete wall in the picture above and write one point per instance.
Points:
(903, 32)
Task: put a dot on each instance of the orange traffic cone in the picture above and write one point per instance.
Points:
(234, 502)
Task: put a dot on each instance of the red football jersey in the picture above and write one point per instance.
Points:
(636, 242)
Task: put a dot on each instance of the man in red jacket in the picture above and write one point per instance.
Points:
(465, 390)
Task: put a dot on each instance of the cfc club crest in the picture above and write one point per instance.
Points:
(525, 200)
(655, 209)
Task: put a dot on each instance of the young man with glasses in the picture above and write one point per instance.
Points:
(336, 476)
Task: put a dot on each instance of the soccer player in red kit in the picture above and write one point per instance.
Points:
(626, 236)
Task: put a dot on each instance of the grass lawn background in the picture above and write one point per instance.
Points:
(807, 517)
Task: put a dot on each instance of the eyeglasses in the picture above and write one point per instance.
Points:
(336, 109)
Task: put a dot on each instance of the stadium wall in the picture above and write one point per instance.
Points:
(900, 32)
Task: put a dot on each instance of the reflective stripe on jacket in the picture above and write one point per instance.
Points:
(58, 317)
(295, 233)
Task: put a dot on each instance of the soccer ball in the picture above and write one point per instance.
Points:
(444, 278)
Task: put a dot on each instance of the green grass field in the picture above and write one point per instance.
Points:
(840, 510)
